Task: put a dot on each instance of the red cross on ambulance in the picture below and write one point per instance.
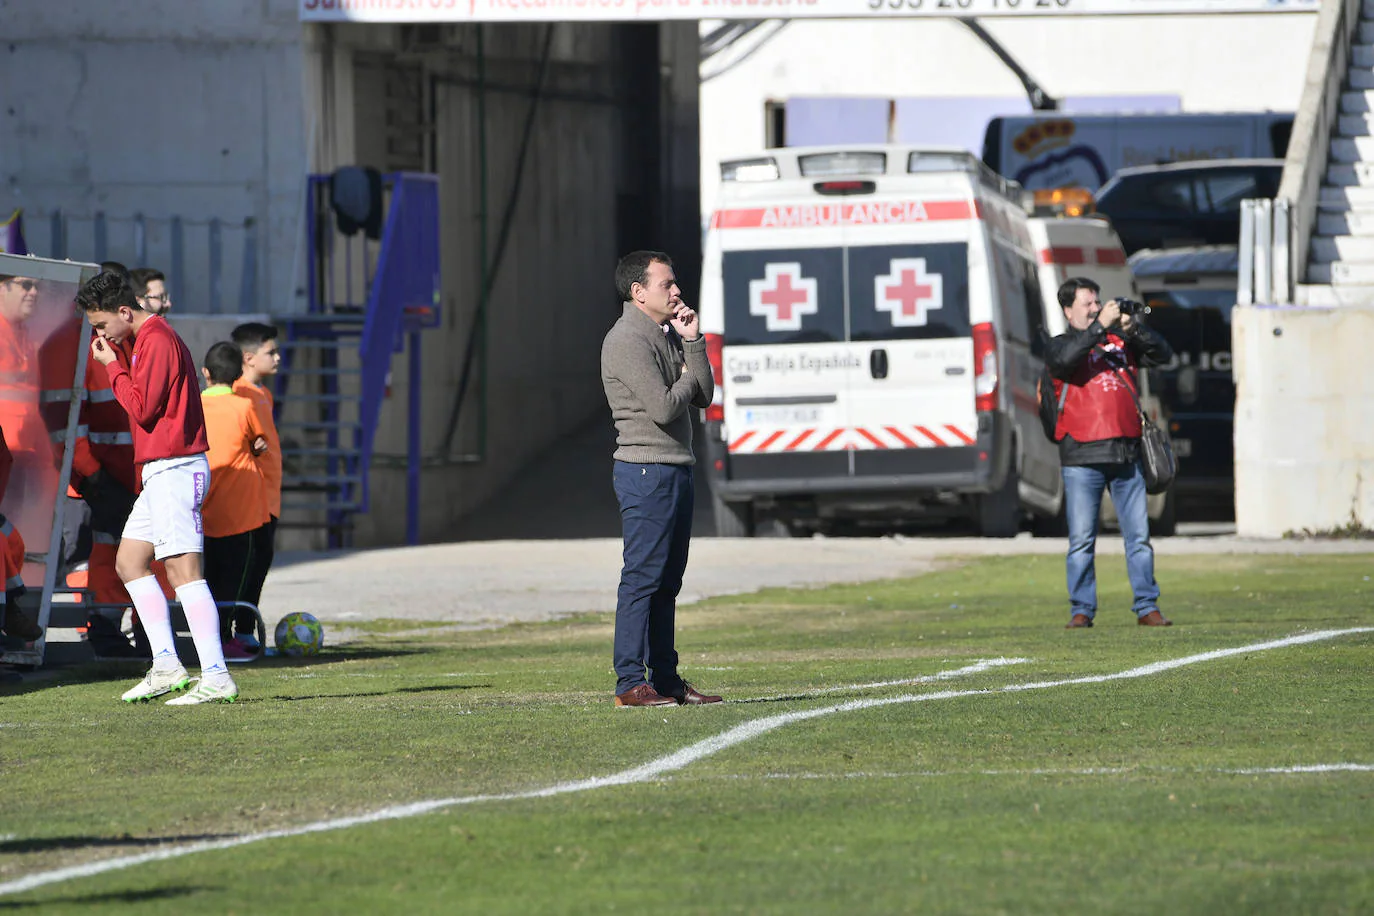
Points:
(783, 296)
(907, 293)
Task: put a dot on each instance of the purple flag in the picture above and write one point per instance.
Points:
(12, 239)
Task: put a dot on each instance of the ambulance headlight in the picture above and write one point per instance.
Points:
(825, 165)
(763, 169)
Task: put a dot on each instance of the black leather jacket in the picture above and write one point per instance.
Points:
(1064, 353)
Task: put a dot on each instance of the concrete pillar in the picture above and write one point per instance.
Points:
(1304, 428)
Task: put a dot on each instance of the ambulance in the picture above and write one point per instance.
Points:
(874, 317)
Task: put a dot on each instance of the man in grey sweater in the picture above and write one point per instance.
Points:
(654, 368)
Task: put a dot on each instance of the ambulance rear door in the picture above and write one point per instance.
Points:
(784, 356)
(909, 279)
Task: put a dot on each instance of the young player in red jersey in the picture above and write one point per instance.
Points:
(161, 394)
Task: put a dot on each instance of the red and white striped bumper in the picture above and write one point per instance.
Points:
(853, 438)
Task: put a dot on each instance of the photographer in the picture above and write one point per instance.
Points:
(1098, 432)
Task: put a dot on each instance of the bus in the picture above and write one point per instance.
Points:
(1051, 150)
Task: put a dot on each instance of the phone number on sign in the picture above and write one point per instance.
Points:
(970, 6)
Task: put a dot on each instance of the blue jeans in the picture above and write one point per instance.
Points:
(656, 502)
(1083, 486)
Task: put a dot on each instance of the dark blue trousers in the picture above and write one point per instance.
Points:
(656, 503)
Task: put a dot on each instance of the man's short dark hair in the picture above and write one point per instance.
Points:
(252, 335)
(106, 292)
(1068, 291)
(224, 362)
(140, 277)
(116, 267)
(634, 268)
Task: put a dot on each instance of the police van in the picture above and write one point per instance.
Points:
(1190, 292)
(872, 316)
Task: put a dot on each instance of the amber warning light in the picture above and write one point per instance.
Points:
(1064, 202)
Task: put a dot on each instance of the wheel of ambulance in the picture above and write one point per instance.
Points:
(1167, 523)
(999, 512)
(733, 520)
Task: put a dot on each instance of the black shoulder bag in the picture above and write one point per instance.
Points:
(1157, 461)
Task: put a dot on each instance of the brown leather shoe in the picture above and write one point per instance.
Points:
(690, 696)
(1154, 619)
(1079, 622)
(643, 695)
(21, 625)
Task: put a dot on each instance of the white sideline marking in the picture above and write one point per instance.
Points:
(976, 668)
(1074, 771)
(1313, 768)
(646, 771)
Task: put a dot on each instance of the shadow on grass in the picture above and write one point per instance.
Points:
(159, 893)
(130, 670)
(49, 843)
(793, 698)
(438, 688)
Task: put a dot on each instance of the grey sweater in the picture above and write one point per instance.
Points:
(649, 393)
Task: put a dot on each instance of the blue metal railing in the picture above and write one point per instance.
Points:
(382, 294)
(192, 252)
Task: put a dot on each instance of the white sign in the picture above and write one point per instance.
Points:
(650, 10)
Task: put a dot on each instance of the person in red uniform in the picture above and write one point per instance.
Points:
(103, 475)
(17, 624)
(19, 416)
(161, 395)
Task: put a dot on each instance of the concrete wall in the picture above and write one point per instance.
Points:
(1213, 63)
(164, 108)
(593, 182)
(1304, 429)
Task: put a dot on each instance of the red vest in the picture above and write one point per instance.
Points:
(103, 440)
(1098, 404)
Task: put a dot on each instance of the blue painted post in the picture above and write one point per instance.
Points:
(177, 284)
(248, 284)
(140, 241)
(312, 249)
(58, 246)
(100, 236)
(216, 266)
(413, 444)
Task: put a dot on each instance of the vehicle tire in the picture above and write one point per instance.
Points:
(999, 512)
(1167, 524)
(733, 520)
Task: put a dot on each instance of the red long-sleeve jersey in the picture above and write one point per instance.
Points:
(160, 394)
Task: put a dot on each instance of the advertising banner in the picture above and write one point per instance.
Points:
(649, 10)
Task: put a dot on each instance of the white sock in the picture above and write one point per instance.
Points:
(203, 617)
(151, 605)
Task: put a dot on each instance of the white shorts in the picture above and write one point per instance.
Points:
(167, 511)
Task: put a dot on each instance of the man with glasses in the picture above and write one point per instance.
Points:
(150, 288)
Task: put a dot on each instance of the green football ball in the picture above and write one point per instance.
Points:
(299, 634)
